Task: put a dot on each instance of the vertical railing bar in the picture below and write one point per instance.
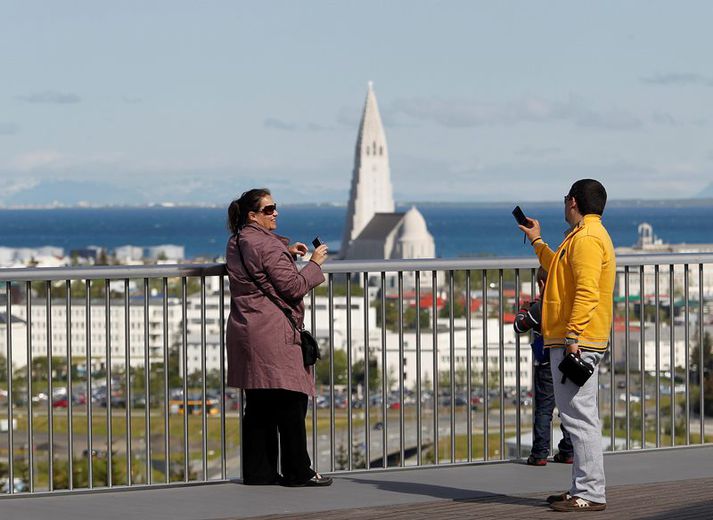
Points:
(70, 391)
(434, 325)
(417, 278)
(88, 347)
(313, 325)
(332, 379)
(184, 373)
(687, 364)
(147, 384)
(50, 414)
(627, 348)
(384, 377)
(452, 357)
(401, 368)
(350, 438)
(612, 382)
(501, 364)
(672, 354)
(221, 322)
(204, 413)
(107, 359)
(127, 379)
(10, 411)
(701, 360)
(486, 396)
(468, 369)
(642, 356)
(657, 344)
(30, 434)
(518, 384)
(366, 390)
(166, 391)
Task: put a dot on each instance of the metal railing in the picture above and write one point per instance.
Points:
(114, 376)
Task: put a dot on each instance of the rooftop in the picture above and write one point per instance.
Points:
(666, 483)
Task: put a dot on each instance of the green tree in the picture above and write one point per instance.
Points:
(410, 318)
(340, 368)
(374, 373)
(391, 314)
(459, 308)
(704, 375)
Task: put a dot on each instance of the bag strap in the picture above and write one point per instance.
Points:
(269, 295)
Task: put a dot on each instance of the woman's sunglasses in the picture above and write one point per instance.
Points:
(268, 210)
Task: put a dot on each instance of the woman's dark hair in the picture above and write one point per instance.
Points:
(239, 208)
(590, 195)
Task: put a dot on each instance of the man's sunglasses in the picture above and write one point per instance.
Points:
(268, 210)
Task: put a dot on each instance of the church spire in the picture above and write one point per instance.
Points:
(371, 190)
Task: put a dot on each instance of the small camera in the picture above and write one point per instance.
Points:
(317, 242)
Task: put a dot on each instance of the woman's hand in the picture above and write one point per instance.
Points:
(297, 249)
(319, 255)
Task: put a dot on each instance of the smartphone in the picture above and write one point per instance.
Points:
(317, 242)
(520, 217)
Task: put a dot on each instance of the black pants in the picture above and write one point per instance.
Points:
(275, 417)
(544, 406)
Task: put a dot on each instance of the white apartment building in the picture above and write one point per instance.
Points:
(207, 321)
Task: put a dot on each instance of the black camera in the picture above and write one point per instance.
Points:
(575, 369)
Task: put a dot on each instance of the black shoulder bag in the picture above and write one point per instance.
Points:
(310, 348)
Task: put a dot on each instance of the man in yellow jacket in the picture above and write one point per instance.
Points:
(576, 318)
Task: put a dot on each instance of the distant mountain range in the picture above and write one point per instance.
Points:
(97, 194)
(707, 193)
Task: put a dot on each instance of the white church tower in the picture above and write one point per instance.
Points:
(371, 191)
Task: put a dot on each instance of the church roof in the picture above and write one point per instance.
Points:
(380, 226)
(415, 227)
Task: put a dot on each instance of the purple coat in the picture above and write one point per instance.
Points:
(263, 346)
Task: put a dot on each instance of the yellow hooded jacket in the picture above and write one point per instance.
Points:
(577, 302)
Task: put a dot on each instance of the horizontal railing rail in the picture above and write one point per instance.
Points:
(119, 272)
(114, 376)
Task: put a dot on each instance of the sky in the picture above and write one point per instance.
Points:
(138, 102)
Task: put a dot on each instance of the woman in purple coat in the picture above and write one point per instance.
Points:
(264, 354)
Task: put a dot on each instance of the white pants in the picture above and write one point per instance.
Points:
(580, 415)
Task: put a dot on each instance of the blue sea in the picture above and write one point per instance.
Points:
(460, 230)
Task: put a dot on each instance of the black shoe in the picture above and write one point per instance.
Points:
(559, 498)
(577, 504)
(316, 481)
(563, 459)
(535, 461)
(319, 481)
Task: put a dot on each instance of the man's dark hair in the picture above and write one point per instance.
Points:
(590, 195)
(541, 275)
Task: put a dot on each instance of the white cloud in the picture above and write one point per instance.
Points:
(679, 78)
(466, 113)
(544, 151)
(46, 162)
(51, 97)
(37, 159)
(278, 124)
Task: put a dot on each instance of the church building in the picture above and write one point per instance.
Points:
(373, 229)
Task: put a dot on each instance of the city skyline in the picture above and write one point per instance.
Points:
(191, 104)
